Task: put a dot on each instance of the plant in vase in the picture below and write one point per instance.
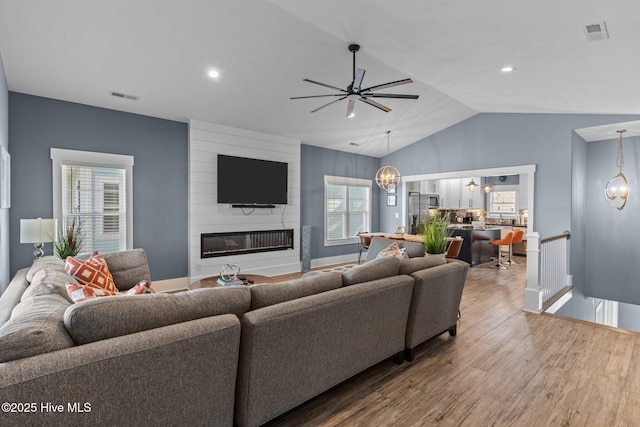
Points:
(69, 240)
(435, 235)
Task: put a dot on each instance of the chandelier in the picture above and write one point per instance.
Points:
(617, 190)
(387, 177)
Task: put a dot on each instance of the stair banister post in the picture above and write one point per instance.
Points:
(533, 291)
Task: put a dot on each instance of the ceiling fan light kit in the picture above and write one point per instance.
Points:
(354, 91)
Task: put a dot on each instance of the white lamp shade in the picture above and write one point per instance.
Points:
(38, 230)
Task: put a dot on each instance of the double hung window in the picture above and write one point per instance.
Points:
(347, 209)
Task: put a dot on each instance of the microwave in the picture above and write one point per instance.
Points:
(433, 200)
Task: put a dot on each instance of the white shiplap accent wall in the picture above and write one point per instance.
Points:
(206, 141)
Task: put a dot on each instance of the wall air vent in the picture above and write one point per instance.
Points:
(124, 96)
(596, 31)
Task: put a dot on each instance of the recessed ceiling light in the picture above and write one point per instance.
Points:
(507, 69)
(351, 115)
(214, 74)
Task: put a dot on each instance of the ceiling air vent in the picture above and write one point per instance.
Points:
(124, 96)
(596, 31)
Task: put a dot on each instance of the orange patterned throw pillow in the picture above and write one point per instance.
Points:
(393, 250)
(80, 293)
(93, 273)
(143, 287)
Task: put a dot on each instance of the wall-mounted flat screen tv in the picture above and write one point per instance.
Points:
(245, 181)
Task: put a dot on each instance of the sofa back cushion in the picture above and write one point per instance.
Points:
(128, 268)
(44, 262)
(410, 265)
(108, 317)
(50, 280)
(412, 249)
(372, 270)
(36, 326)
(273, 293)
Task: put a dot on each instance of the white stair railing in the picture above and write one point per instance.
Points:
(547, 267)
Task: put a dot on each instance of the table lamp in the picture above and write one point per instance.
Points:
(38, 231)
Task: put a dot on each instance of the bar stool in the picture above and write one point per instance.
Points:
(454, 248)
(506, 240)
(518, 236)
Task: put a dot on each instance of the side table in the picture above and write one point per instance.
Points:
(212, 282)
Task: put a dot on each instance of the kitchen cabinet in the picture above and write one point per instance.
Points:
(472, 199)
(443, 191)
(450, 193)
(454, 194)
(429, 187)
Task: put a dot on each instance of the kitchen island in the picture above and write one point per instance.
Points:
(475, 245)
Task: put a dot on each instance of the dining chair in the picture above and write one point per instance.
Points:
(454, 248)
(364, 243)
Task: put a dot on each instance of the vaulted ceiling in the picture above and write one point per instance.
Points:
(161, 52)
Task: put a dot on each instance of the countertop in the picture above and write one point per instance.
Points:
(470, 227)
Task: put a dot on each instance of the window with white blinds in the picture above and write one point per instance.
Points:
(93, 197)
(347, 209)
(93, 189)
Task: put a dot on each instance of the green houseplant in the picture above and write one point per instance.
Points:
(69, 240)
(435, 235)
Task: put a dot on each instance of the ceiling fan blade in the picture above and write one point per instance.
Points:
(357, 80)
(386, 85)
(315, 96)
(375, 104)
(350, 106)
(324, 84)
(390, 95)
(326, 105)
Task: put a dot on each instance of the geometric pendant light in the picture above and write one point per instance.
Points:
(617, 190)
(387, 177)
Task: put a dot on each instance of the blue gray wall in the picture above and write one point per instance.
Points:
(492, 140)
(317, 162)
(160, 149)
(5, 269)
(611, 250)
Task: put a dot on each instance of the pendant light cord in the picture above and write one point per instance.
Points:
(620, 161)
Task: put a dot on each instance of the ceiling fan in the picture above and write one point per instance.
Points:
(355, 92)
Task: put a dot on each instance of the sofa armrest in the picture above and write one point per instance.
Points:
(11, 296)
(436, 299)
(182, 374)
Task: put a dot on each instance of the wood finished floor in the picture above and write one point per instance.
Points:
(504, 368)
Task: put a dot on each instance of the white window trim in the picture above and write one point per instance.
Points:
(341, 180)
(61, 157)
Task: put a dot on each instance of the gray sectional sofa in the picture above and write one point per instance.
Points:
(218, 356)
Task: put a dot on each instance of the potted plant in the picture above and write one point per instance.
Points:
(69, 240)
(435, 235)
